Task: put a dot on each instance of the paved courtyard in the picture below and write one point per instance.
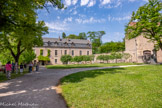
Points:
(37, 89)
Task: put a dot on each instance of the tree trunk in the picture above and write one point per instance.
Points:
(17, 58)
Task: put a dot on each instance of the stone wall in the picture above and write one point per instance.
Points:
(137, 46)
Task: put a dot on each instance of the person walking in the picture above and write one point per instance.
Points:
(21, 68)
(30, 67)
(16, 67)
(13, 67)
(37, 66)
(8, 68)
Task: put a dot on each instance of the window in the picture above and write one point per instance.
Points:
(65, 52)
(55, 52)
(55, 61)
(72, 52)
(80, 53)
(87, 52)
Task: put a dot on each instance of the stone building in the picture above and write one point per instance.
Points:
(59, 47)
(142, 50)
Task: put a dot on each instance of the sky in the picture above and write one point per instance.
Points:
(110, 16)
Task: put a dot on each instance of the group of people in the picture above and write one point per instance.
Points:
(15, 67)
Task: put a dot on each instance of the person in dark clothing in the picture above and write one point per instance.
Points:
(13, 67)
(21, 68)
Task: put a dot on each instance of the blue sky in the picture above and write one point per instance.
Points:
(110, 16)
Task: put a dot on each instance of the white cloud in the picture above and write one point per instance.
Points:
(84, 2)
(74, 2)
(75, 12)
(69, 19)
(103, 2)
(137, 0)
(58, 17)
(131, 0)
(56, 26)
(90, 20)
(119, 18)
(92, 3)
(67, 2)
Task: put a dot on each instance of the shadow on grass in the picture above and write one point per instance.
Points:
(80, 76)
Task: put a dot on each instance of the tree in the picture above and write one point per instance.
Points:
(147, 22)
(126, 56)
(23, 38)
(72, 36)
(82, 36)
(78, 58)
(14, 11)
(100, 57)
(65, 59)
(116, 55)
(63, 35)
(27, 56)
(112, 47)
(96, 39)
(5, 57)
(20, 30)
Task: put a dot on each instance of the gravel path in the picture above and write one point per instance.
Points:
(37, 89)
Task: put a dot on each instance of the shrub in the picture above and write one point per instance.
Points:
(43, 58)
(78, 58)
(65, 59)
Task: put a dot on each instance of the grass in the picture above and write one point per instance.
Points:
(87, 65)
(132, 87)
(13, 76)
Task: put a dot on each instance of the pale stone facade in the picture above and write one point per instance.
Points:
(137, 48)
(59, 47)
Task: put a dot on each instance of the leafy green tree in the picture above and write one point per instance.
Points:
(20, 30)
(12, 12)
(96, 39)
(78, 58)
(106, 58)
(72, 36)
(147, 21)
(65, 59)
(100, 57)
(112, 47)
(126, 56)
(27, 56)
(5, 57)
(63, 35)
(116, 55)
(82, 36)
(23, 38)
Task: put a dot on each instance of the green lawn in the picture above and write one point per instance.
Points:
(13, 75)
(132, 87)
(87, 65)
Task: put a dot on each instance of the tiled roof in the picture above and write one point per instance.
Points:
(66, 40)
(66, 43)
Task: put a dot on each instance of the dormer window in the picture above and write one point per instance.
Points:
(72, 44)
(56, 42)
(49, 43)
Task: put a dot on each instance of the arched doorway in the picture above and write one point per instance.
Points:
(146, 56)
